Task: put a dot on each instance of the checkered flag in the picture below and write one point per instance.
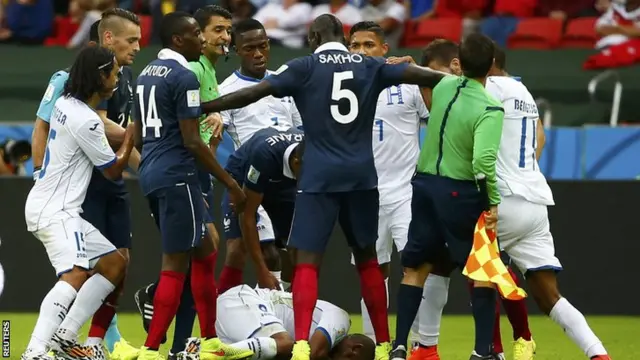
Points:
(484, 263)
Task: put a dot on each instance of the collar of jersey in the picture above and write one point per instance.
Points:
(286, 167)
(333, 45)
(205, 61)
(168, 54)
(249, 78)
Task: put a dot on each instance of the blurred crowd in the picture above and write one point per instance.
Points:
(67, 23)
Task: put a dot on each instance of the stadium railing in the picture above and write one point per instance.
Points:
(617, 93)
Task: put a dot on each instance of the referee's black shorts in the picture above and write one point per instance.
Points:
(444, 215)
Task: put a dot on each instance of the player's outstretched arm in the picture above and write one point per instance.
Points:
(238, 99)
(252, 240)
(190, 130)
(422, 76)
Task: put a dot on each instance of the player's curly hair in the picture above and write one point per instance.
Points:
(86, 73)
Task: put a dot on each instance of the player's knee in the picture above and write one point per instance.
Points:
(416, 276)
(544, 289)
(386, 269)
(112, 266)
(361, 255)
(76, 277)
(235, 256)
(125, 254)
(271, 256)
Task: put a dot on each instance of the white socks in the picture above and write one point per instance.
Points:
(53, 310)
(263, 348)
(90, 297)
(575, 326)
(367, 327)
(426, 326)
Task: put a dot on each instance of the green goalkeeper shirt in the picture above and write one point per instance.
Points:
(206, 74)
(463, 133)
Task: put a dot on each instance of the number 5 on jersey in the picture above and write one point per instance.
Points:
(338, 93)
(149, 118)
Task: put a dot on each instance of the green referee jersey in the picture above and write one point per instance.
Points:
(463, 133)
(206, 74)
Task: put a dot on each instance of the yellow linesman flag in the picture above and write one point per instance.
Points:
(484, 263)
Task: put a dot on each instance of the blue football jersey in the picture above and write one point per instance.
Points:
(166, 93)
(336, 93)
(260, 165)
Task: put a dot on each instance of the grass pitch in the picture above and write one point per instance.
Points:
(620, 335)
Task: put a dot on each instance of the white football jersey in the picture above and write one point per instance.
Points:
(517, 166)
(269, 111)
(76, 144)
(396, 137)
(332, 319)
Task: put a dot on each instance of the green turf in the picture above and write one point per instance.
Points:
(619, 334)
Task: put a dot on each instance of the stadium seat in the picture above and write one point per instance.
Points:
(439, 28)
(146, 28)
(536, 33)
(580, 33)
(409, 37)
(62, 32)
(346, 29)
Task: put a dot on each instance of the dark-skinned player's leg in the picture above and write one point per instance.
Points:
(358, 218)
(314, 218)
(529, 243)
(174, 212)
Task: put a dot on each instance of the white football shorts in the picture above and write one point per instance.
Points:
(243, 314)
(393, 228)
(73, 242)
(265, 228)
(523, 232)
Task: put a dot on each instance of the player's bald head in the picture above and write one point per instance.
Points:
(325, 28)
(115, 21)
(354, 347)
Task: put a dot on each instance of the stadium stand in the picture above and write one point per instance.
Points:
(536, 33)
(580, 33)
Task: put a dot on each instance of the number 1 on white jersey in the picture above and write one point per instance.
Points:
(524, 143)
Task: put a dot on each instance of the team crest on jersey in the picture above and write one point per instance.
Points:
(253, 174)
(193, 98)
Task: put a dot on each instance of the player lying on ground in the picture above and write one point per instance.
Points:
(527, 239)
(167, 118)
(215, 23)
(263, 320)
(336, 93)
(106, 205)
(463, 136)
(442, 55)
(251, 44)
(399, 111)
(52, 210)
(267, 166)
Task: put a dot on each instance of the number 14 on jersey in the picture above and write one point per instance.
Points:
(149, 118)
